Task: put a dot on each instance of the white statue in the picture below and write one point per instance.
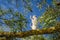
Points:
(34, 22)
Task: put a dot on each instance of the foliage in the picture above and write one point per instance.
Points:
(16, 22)
(50, 18)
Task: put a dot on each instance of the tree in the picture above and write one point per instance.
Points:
(15, 25)
(18, 23)
(50, 17)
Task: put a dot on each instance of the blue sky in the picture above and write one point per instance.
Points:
(4, 4)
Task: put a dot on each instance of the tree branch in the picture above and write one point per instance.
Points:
(30, 32)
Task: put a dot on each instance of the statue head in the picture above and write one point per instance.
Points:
(34, 16)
